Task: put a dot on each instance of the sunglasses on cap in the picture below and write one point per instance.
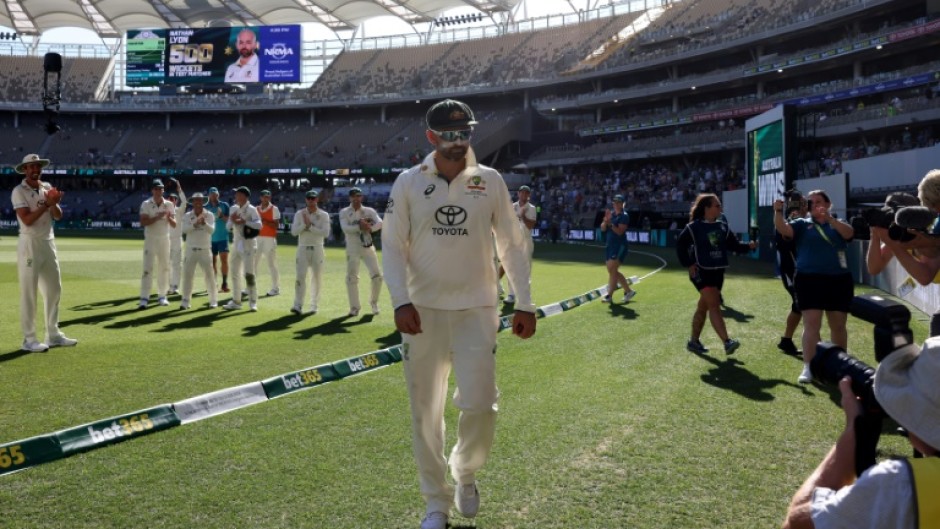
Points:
(454, 135)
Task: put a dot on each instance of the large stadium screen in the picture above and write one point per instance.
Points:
(185, 56)
(770, 149)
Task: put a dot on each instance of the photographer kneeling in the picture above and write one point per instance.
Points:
(898, 493)
(920, 256)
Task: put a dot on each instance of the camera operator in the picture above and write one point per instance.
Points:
(786, 260)
(893, 493)
(920, 256)
(823, 281)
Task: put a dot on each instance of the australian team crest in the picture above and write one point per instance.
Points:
(476, 187)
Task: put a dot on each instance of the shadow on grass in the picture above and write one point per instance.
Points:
(104, 304)
(736, 315)
(622, 311)
(392, 338)
(13, 355)
(98, 319)
(280, 324)
(149, 318)
(731, 375)
(339, 325)
(207, 316)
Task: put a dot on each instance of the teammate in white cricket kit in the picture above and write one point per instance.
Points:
(437, 253)
(176, 238)
(243, 215)
(157, 216)
(311, 226)
(198, 225)
(37, 205)
(359, 225)
(267, 240)
(527, 215)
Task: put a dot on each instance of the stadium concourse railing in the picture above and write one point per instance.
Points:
(25, 453)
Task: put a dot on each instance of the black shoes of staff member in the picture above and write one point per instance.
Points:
(787, 346)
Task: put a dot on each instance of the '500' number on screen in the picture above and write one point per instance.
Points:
(190, 53)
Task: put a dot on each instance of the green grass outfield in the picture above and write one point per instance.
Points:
(605, 420)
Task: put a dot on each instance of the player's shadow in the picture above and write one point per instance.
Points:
(392, 338)
(104, 304)
(13, 355)
(205, 317)
(280, 324)
(339, 325)
(98, 319)
(736, 315)
(148, 317)
(731, 375)
(622, 311)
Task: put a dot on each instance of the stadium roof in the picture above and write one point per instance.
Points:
(112, 18)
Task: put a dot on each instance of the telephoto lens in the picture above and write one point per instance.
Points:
(832, 363)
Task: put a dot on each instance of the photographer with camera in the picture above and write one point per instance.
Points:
(823, 281)
(896, 493)
(786, 260)
(919, 255)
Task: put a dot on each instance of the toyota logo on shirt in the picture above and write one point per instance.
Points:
(451, 217)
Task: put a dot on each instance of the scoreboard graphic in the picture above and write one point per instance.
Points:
(185, 56)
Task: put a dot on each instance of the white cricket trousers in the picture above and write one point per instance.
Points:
(530, 249)
(353, 257)
(309, 258)
(203, 258)
(176, 260)
(466, 341)
(241, 263)
(267, 248)
(38, 267)
(156, 249)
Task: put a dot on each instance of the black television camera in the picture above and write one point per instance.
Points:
(892, 331)
(794, 200)
(901, 212)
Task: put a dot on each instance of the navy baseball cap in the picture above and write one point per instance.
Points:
(618, 198)
(450, 114)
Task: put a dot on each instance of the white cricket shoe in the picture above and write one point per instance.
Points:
(252, 306)
(353, 313)
(231, 305)
(34, 346)
(375, 309)
(274, 292)
(163, 302)
(434, 520)
(61, 341)
(184, 304)
(806, 376)
(296, 310)
(142, 304)
(467, 499)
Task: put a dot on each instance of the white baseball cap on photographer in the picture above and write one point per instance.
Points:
(907, 386)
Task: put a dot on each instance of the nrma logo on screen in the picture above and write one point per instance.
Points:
(278, 51)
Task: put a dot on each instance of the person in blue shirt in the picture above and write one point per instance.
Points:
(614, 226)
(703, 247)
(823, 281)
(220, 235)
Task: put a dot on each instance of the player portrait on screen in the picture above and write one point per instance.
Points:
(245, 69)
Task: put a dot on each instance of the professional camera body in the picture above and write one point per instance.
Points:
(892, 332)
(901, 212)
(794, 199)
